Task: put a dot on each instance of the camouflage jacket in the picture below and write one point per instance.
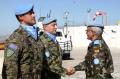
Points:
(52, 58)
(98, 62)
(23, 56)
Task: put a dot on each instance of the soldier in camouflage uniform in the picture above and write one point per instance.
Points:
(24, 49)
(52, 68)
(98, 62)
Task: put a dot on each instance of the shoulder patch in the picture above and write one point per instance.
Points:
(11, 49)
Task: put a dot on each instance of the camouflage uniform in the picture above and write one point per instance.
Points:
(52, 68)
(23, 56)
(98, 62)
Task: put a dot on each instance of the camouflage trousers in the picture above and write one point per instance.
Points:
(50, 75)
(31, 76)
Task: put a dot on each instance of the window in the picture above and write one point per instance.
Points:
(58, 34)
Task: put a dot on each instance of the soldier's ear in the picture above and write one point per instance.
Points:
(20, 18)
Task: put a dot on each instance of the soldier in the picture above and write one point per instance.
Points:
(52, 68)
(24, 49)
(98, 62)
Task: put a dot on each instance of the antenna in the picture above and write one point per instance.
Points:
(66, 13)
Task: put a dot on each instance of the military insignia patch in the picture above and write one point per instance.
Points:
(96, 61)
(96, 50)
(11, 49)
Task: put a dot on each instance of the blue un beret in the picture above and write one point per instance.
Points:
(100, 26)
(49, 20)
(24, 8)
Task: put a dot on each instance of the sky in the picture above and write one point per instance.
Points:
(77, 12)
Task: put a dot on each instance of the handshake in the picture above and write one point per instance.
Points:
(70, 70)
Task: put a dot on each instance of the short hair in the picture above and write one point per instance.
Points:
(97, 30)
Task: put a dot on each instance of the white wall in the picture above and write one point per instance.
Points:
(79, 37)
(1, 61)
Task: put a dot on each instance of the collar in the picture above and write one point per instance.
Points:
(27, 27)
(32, 30)
(53, 37)
(96, 41)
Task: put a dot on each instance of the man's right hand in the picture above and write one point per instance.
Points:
(70, 70)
